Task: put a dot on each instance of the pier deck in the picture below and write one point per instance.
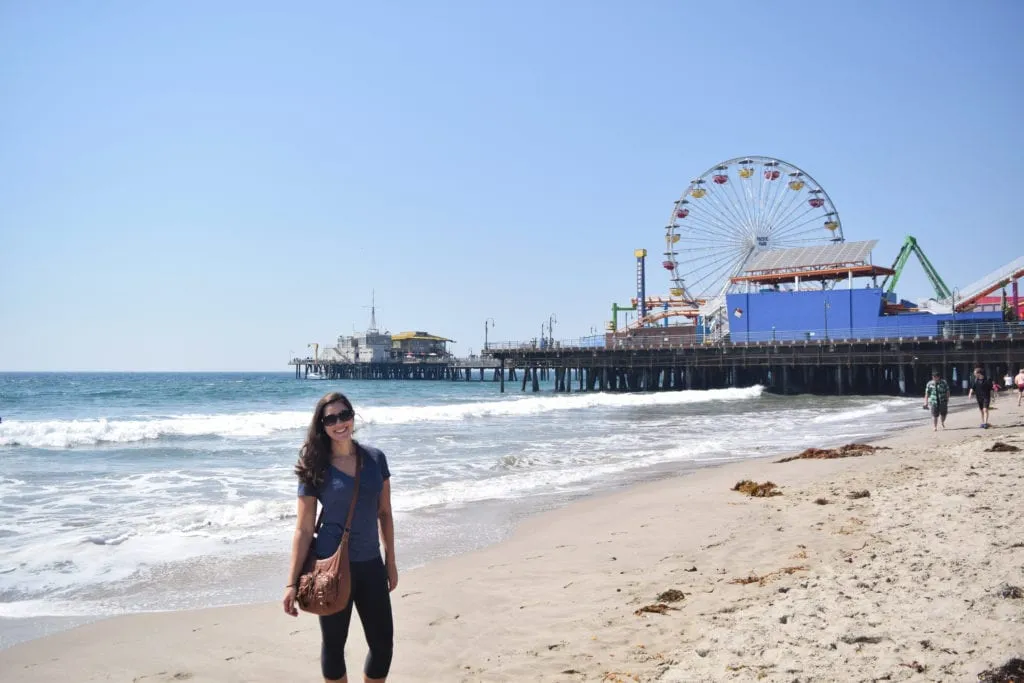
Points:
(443, 369)
(668, 360)
(816, 364)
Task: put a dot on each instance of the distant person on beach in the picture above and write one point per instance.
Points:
(936, 397)
(1019, 381)
(981, 389)
(326, 470)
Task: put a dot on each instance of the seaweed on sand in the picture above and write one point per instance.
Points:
(1010, 672)
(1000, 447)
(762, 580)
(671, 595)
(752, 488)
(850, 450)
(1010, 592)
(659, 608)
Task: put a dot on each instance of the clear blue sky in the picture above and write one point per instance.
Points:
(212, 185)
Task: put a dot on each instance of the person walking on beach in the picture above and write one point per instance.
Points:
(1019, 382)
(981, 389)
(328, 461)
(936, 397)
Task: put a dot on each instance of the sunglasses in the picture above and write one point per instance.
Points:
(343, 416)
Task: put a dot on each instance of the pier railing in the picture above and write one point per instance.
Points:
(451, 361)
(672, 338)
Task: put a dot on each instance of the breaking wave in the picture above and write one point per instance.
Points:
(64, 434)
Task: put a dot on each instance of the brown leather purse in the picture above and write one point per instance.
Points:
(326, 585)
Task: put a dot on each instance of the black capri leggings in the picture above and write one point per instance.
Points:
(373, 602)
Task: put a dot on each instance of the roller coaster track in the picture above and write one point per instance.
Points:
(997, 279)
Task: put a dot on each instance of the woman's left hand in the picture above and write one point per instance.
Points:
(392, 574)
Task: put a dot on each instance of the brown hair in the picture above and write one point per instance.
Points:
(315, 454)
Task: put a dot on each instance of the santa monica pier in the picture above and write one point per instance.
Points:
(762, 287)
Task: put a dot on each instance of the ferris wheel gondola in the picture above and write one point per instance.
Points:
(735, 210)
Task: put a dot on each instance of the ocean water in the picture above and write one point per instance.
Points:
(132, 492)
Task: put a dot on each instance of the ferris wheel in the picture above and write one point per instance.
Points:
(733, 211)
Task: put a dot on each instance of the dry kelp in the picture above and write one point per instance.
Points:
(1000, 447)
(752, 488)
(762, 580)
(1010, 592)
(854, 495)
(1011, 672)
(659, 608)
(850, 450)
(671, 595)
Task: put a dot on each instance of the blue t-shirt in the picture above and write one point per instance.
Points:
(335, 495)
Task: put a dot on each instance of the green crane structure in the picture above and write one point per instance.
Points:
(910, 246)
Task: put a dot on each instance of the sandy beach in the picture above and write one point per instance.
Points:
(912, 581)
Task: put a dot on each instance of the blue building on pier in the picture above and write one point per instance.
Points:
(813, 294)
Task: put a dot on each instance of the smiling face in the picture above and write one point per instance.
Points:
(337, 421)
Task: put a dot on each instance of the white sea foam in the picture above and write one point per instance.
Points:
(585, 462)
(879, 408)
(23, 609)
(848, 415)
(546, 475)
(143, 535)
(536, 405)
(77, 433)
(114, 539)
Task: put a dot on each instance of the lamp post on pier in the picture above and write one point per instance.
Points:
(827, 306)
(487, 323)
(551, 329)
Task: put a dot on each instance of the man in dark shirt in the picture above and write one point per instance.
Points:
(981, 389)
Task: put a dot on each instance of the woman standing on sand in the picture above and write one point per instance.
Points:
(327, 466)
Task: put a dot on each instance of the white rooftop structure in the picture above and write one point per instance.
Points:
(826, 255)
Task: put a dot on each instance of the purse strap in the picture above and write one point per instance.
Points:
(352, 505)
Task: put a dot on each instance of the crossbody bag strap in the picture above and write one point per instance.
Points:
(355, 494)
(319, 520)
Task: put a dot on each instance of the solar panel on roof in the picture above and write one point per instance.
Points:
(809, 257)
